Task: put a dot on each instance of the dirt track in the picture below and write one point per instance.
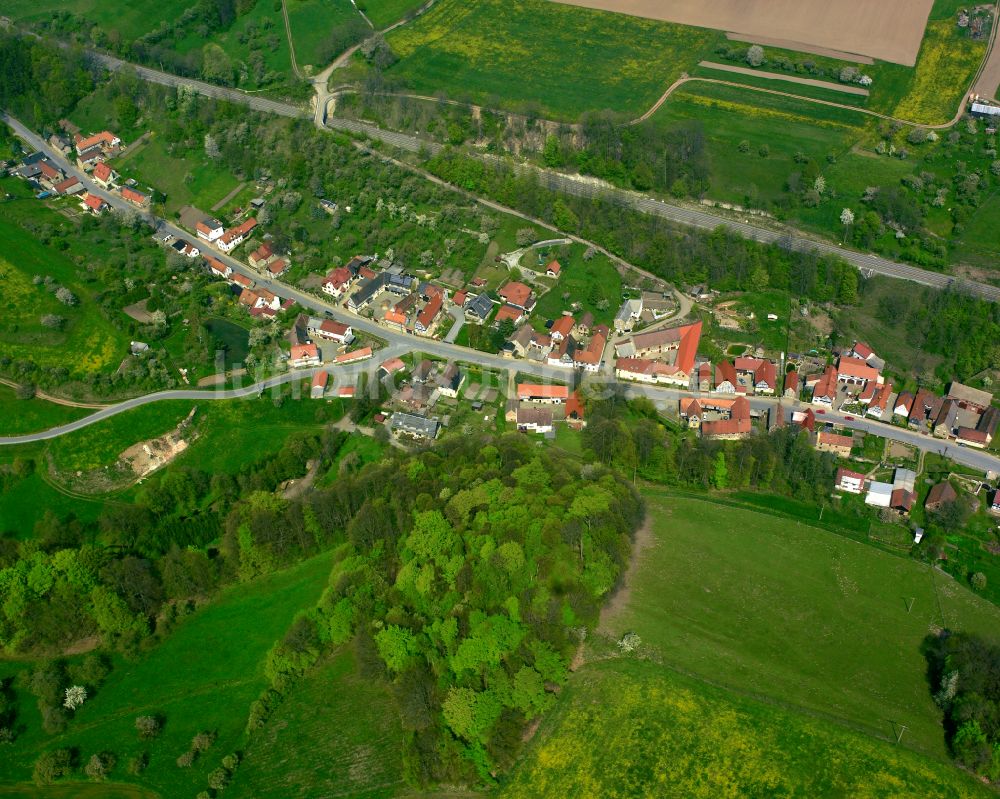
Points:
(822, 84)
(890, 30)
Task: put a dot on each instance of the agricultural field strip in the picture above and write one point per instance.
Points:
(890, 30)
(821, 84)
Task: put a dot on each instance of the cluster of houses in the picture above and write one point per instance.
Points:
(899, 495)
(91, 154)
(649, 307)
(855, 382)
(663, 357)
(569, 343)
(537, 408)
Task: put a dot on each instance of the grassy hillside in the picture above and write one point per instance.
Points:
(384, 13)
(312, 22)
(202, 677)
(336, 734)
(534, 51)
(28, 416)
(658, 733)
(129, 20)
(87, 342)
(795, 614)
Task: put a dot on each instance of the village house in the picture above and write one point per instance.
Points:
(89, 157)
(138, 198)
(643, 370)
(245, 282)
(534, 420)
(424, 324)
(330, 330)
(833, 442)
(791, 385)
(926, 406)
(459, 298)
(319, 381)
(94, 204)
(104, 176)
(337, 282)
(414, 425)
(584, 326)
(856, 374)
(970, 398)
(304, 355)
(726, 381)
(879, 405)
(589, 358)
(519, 295)
(562, 354)
(368, 290)
(106, 141)
(536, 392)
(423, 371)
(737, 426)
(71, 185)
(562, 327)
(851, 482)
(278, 267)
(757, 374)
(879, 494)
(824, 386)
(628, 315)
(346, 392)
(553, 269)
(705, 376)
(970, 437)
(217, 268)
(260, 302)
(262, 256)
(235, 236)
(353, 357)
(479, 308)
(805, 419)
(903, 404)
(395, 320)
(208, 229)
(995, 502)
(450, 382)
(392, 365)
(863, 352)
(675, 346)
(49, 174)
(940, 495)
(185, 248)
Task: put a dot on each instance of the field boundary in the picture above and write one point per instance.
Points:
(799, 47)
(821, 84)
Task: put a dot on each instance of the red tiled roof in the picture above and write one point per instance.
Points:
(595, 349)
(827, 385)
(971, 434)
(393, 365)
(345, 391)
(834, 440)
(430, 311)
(563, 326)
(332, 328)
(218, 266)
(642, 366)
(725, 371)
(792, 381)
(320, 379)
(459, 297)
(242, 280)
(304, 351)
(538, 391)
(134, 196)
(516, 293)
(49, 171)
(553, 266)
(356, 355)
(395, 317)
(105, 137)
(852, 367)
(574, 406)
(340, 276)
(93, 201)
(509, 312)
(102, 171)
(66, 185)
(278, 266)
(863, 350)
(841, 473)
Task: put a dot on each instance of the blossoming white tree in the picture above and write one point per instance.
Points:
(76, 695)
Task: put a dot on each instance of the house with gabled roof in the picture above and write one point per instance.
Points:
(825, 387)
(851, 482)
(218, 268)
(519, 295)
(94, 204)
(726, 381)
(737, 426)
(105, 140)
(791, 385)
(330, 330)
(208, 229)
(304, 355)
(553, 269)
(879, 405)
(103, 175)
(537, 392)
(137, 198)
(424, 324)
(479, 308)
(834, 442)
(562, 327)
(235, 236)
(319, 382)
(642, 370)
(262, 256)
(509, 313)
(589, 358)
(337, 281)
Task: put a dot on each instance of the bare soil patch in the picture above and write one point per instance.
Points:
(822, 84)
(137, 311)
(890, 30)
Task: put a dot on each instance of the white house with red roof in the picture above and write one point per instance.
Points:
(94, 204)
(537, 392)
(235, 236)
(759, 374)
(854, 372)
(105, 140)
(319, 383)
(553, 269)
(562, 327)
(330, 330)
(357, 355)
(878, 408)
(262, 256)
(338, 281)
(428, 314)
(217, 268)
(825, 387)
(642, 370)
(71, 185)
(851, 482)
(519, 295)
(209, 229)
(103, 175)
(589, 358)
(137, 198)
(304, 355)
(675, 346)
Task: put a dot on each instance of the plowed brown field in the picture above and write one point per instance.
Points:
(890, 30)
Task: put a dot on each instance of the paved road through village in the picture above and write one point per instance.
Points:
(399, 343)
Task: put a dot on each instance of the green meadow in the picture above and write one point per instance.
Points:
(336, 734)
(384, 13)
(128, 20)
(800, 616)
(202, 677)
(589, 283)
(87, 342)
(627, 728)
(537, 52)
(311, 22)
(19, 416)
